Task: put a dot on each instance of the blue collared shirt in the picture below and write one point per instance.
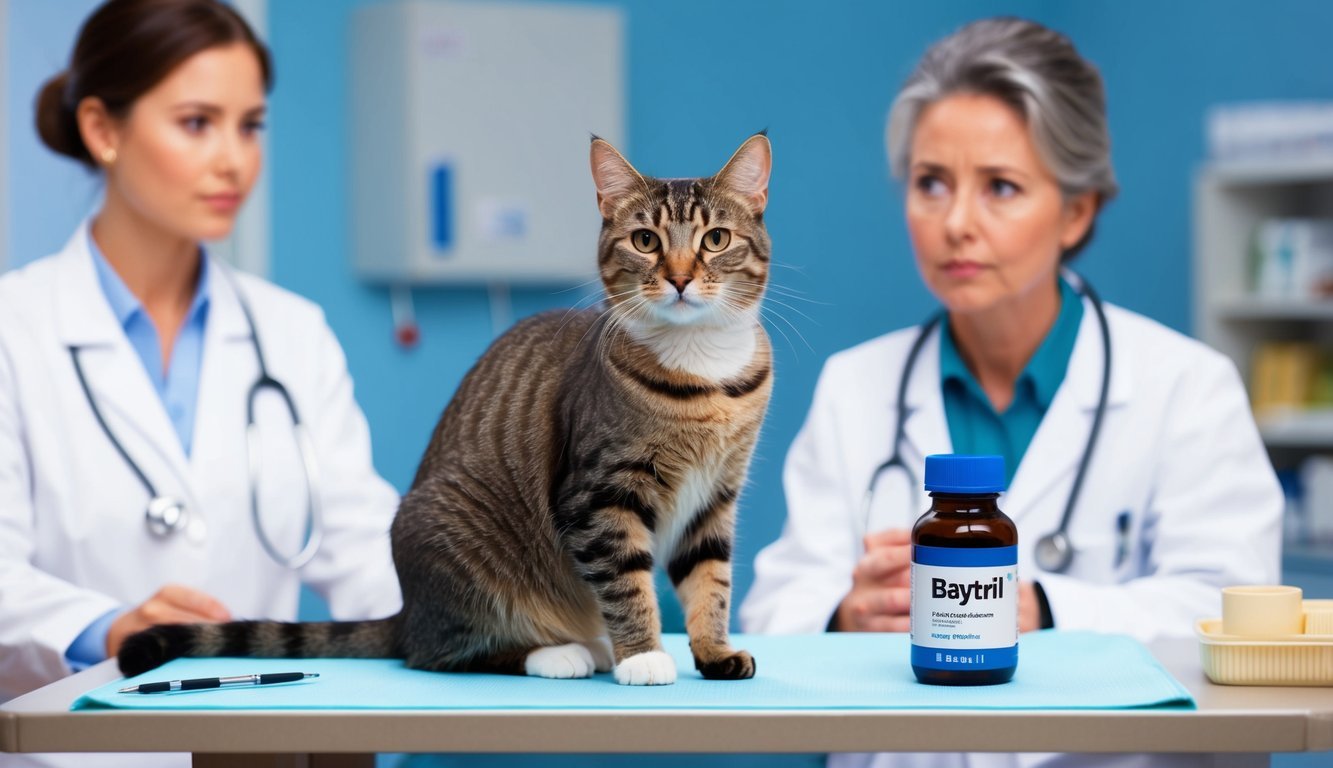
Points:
(974, 425)
(177, 387)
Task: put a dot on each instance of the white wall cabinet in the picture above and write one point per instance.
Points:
(469, 135)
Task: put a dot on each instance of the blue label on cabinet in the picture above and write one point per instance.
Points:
(441, 207)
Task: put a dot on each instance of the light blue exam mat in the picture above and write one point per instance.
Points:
(1056, 670)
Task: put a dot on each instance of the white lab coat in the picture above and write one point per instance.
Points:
(1178, 451)
(73, 543)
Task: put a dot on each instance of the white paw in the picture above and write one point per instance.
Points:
(561, 661)
(602, 655)
(651, 668)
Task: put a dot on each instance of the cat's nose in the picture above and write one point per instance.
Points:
(680, 281)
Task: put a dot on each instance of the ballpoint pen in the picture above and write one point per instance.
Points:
(202, 683)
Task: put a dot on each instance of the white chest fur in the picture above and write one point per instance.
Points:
(716, 353)
(695, 491)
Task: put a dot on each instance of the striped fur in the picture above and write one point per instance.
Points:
(584, 449)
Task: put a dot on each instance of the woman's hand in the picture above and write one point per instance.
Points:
(173, 604)
(881, 595)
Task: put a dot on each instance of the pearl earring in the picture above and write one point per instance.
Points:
(109, 156)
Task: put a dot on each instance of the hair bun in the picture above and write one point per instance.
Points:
(56, 122)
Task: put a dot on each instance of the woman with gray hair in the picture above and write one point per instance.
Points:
(1134, 470)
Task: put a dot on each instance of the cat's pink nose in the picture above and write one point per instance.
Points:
(680, 281)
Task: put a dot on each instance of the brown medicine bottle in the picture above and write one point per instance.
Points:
(964, 576)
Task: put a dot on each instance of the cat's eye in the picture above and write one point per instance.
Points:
(645, 240)
(716, 239)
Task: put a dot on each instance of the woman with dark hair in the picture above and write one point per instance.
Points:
(142, 480)
(1135, 473)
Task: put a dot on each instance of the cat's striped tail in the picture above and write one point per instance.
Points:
(155, 646)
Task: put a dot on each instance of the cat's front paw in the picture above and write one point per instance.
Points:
(560, 661)
(651, 668)
(737, 665)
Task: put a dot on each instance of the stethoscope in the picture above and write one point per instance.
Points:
(1054, 551)
(166, 515)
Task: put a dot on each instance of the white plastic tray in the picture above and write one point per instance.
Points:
(1305, 659)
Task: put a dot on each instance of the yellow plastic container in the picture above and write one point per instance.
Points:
(1302, 658)
(1318, 617)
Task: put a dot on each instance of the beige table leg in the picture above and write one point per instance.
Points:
(242, 760)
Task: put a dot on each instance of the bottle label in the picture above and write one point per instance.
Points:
(964, 607)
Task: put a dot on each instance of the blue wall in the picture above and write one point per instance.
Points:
(48, 195)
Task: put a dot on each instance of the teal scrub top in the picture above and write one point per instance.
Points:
(974, 425)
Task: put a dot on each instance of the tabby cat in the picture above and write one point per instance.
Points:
(583, 448)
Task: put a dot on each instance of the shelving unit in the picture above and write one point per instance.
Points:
(1260, 310)
(1230, 201)
(1308, 430)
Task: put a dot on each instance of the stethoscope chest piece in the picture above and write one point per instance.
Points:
(1054, 552)
(166, 515)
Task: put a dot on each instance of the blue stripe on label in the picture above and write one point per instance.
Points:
(441, 207)
(959, 557)
(966, 658)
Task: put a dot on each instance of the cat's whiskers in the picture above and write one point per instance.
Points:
(788, 293)
(570, 314)
(611, 312)
(574, 311)
(770, 300)
(584, 284)
(793, 267)
(592, 299)
(784, 291)
(621, 314)
(771, 313)
(793, 309)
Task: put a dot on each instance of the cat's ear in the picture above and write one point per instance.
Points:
(746, 173)
(613, 176)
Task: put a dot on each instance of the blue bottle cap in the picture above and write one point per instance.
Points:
(955, 473)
